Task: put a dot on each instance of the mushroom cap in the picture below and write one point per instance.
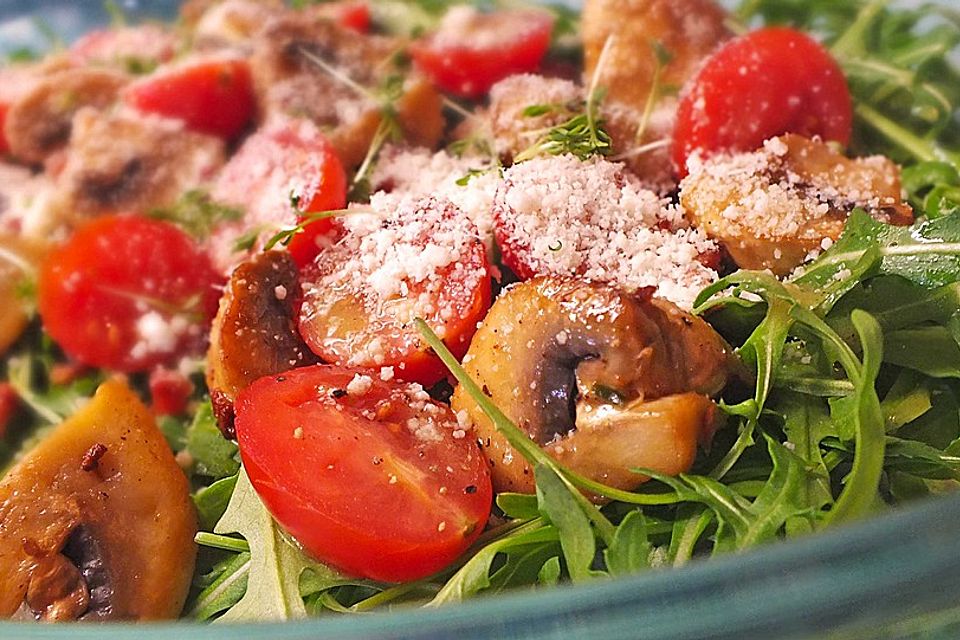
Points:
(603, 380)
(100, 501)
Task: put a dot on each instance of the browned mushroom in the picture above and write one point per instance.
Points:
(96, 523)
(777, 206)
(604, 381)
(687, 31)
(255, 332)
(513, 127)
(39, 123)
(305, 65)
(125, 162)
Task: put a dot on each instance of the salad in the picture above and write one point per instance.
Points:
(327, 307)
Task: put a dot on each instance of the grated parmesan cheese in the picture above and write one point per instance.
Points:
(420, 172)
(567, 217)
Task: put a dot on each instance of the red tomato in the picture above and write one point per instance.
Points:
(283, 162)
(127, 293)
(170, 391)
(9, 404)
(212, 96)
(758, 86)
(4, 145)
(472, 51)
(352, 14)
(368, 476)
(347, 320)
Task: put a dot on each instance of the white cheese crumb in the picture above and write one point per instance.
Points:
(359, 385)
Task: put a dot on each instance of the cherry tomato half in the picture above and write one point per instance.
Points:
(472, 51)
(349, 318)
(212, 96)
(352, 14)
(127, 293)
(372, 477)
(764, 84)
(282, 168)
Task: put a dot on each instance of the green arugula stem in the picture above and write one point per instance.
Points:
(922, 150)
(217, 541)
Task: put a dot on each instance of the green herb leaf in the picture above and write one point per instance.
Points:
(558, 505)
(214, 456)
(927, 253)
(197, 213)
(630, 550)
(225, 590)
(275, 566)
(860, 487)
(212, 501)
(474, 576)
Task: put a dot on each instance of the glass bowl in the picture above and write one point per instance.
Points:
(896, 576)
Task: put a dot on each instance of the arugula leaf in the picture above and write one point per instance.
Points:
(275, 566)
(630, 550)
(558, 505)
(518, 505)
(932, 351)
(933, 188)
(926, 253)
(474, 576)
(212, 501)
(214, 456)
(225, 590)
(549, 573)
(689, 526)
(860, 487)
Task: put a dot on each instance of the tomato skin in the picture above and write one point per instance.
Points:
(9, 404)
(114, 270)
(511, 42)
(758, 86)
(271, 162)
(349, 324)
(170, 392)
(351, 14)
(346, 477)
(213, 97)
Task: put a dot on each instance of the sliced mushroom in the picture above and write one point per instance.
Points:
(96, 522)
(291, 82)
(127, 162)
(640, 32)
(513, 126)
(255, 332)
(602, 380)
(39, 123)
(19, 259)
(776, 207)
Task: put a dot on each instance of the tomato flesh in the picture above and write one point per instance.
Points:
(351, 14)
(472, 51)
(127, 293)
(344, 321)
(764, 84)
(213, 97)
(280, 169)
(369, 476)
